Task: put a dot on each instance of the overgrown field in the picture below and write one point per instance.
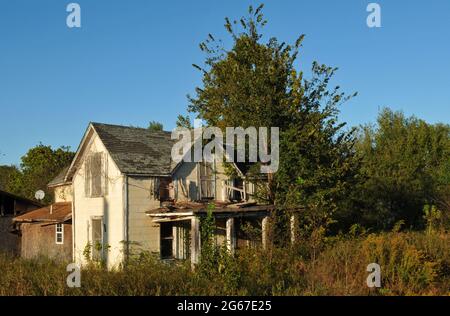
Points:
(412, 263)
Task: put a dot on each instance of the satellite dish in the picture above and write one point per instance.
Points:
(39, 195)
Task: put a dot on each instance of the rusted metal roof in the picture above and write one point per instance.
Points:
(57, 212)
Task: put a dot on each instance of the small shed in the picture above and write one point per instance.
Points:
(46, 232)
(12, 205)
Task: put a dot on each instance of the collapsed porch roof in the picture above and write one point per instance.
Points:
(184, 210)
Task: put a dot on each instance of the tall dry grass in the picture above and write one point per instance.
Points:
(412, 263)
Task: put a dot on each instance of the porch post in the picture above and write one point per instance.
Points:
(175, 250)
(224, 191)
(195, 240)
(265, 232)
(231, 235)
(293, 229)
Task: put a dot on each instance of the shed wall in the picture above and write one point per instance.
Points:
(40, 240)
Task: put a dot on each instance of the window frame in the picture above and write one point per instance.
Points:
(97, 254)
(96, 176)
(61, 233)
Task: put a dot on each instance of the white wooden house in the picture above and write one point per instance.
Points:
(128, 196)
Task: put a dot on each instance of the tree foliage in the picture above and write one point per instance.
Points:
(184, 121)
(256, 83)
(155, 126)
(7, 173)
(38, 167)
(406, 165)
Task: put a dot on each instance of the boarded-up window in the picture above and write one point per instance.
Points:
(207, 180)
(96, 175)
(97, 239)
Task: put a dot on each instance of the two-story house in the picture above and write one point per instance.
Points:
(128, 195)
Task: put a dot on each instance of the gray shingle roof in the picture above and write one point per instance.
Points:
(137, 150)
(59, 179)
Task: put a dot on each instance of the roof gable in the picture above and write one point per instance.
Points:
(137, 150)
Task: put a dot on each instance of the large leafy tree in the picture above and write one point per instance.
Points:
(246, 85)
(256, 83)
(38, 167)
(406, 163)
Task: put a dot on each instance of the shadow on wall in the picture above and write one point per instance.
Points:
(193, 196)
(105, 228)
(9, 242)
(188, 189)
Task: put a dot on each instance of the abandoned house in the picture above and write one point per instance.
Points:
(129, 196)
(47, 231)
(10, 206)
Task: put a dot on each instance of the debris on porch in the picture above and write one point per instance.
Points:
(184, 208)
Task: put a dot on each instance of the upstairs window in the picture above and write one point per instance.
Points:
(165, 189)
(59, 238)
(96, 175)
(207, 181)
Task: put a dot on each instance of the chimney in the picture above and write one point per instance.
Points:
(51, 209)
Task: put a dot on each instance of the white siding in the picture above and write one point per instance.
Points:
(63, 193)
(142, 232)
(110, 207)
(186, 181)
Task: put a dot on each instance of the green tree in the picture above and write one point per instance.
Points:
(155, 126)
(255, 83)
(38, 167)
(6, 174)
(405, 162)
(184, 121)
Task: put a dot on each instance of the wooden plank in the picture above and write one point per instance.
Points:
(231, 235)
(195, 241)
(265, 232)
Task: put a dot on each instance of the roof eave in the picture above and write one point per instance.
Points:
(71, 171)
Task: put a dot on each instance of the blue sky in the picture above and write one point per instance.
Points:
(130, 62)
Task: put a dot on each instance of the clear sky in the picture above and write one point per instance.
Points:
(130, 62)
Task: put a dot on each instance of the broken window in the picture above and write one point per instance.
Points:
(207, 188)
(166, 231)
(165, 189)
(97, 239)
